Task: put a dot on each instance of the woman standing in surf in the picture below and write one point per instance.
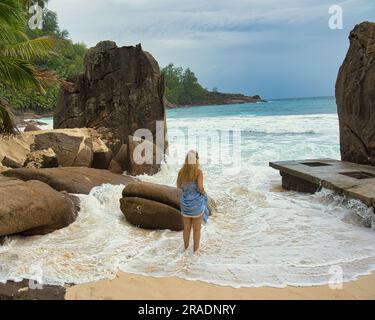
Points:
(193, 199)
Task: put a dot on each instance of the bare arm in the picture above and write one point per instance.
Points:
(179, 182)
(200, 182)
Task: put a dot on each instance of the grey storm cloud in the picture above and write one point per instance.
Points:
(244, 46)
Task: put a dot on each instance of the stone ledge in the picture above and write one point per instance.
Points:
(312, 174)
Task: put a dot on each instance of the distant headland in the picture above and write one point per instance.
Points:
(182, 89)
(217, 98)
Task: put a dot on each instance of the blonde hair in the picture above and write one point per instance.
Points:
(189, 170)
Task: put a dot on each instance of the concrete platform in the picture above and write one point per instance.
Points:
(350, 179)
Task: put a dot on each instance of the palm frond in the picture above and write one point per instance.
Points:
(10, 34)
(17, 52)
(10, 12)
(18, 73)
(29, 49)
(46, 79)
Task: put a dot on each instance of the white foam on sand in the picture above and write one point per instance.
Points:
(260, 236)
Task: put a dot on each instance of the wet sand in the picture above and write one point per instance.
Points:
(133, 287)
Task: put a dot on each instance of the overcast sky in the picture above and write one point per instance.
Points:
(274, 48)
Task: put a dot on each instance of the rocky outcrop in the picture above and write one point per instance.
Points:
(72, 150)
(355, 97)
(70, 147)
(31, 127)
(12, 290)
(102, 155)
(154, 206)
(71, 180)
(14, 150)
(33, 208)
(120, 92)
(10, 163)
(42, 159)
(119, 163)
(76, 148)
(138, 163)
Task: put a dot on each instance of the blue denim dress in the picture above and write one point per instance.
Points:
(193, 203)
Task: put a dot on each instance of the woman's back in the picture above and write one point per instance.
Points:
(193, 200)
(190, 190)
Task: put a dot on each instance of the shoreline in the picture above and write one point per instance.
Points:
(22, 119)
(129, 286)
(126, 286)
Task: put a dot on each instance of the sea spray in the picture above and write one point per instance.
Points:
(353, 210)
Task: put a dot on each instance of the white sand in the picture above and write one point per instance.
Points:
(133, 287)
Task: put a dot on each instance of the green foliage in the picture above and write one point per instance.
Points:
(68, 57)
(181, 86)
(66, 60)
(18, 70)
(30, 99)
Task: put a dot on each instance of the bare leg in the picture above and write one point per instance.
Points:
(197, 223)
(187, 229)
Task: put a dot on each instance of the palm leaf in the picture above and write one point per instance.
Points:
(17, 73)
(46, 79)
(17, 52)
(10, 12)
(29, 49)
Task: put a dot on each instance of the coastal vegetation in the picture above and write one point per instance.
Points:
(19, 53)
(182, 88)
(33, 52)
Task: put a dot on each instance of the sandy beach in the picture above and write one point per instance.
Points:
(134, 287)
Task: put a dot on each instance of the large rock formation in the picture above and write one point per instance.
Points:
(120, 92)
(355, 96)
(33, 208)
(52, 148)
(72, 180)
